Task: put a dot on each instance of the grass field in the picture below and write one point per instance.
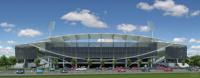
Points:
(163, 75)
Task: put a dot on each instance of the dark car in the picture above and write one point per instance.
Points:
(20, 71)
(40, 70)
(64, 70)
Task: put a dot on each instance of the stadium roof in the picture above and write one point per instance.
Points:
(127, 37)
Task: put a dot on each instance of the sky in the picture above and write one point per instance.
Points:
(25, 21)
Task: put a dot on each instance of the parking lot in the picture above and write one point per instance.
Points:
(90, 71)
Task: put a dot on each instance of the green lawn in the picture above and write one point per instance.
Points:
(188, 75)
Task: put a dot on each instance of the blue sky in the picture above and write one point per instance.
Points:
(24, 21)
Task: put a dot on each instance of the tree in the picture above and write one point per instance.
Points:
(55, 62)
(139, 61)
(149, 62)
(128, 62)
(114, 61)
(191, 63)
(12, 60)
(74, 62)
(187, 60)
(102, 62)
(89, 62)
(183, 62)
(37, 62)
(195, 60)
(4, 61)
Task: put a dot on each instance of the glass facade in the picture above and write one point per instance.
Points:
(103, 50)
(176, 52)
(25, 52)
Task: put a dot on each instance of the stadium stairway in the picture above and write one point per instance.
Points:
(159, 60)
(183, 65)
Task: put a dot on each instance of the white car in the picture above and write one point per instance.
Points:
(81, 69)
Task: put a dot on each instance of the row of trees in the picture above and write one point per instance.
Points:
(192, 61)
(7, 61)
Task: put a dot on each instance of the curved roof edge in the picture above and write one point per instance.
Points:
(117, 34)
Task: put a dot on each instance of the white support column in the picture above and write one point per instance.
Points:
(152, 62)
(48, 63)
(24, 62)
(126, 65)
(113, 66)
(165, 61)
(63, 62)
(76, 66)
(177, 60)
(113, 57)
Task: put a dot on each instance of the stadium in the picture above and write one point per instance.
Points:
(97, 48)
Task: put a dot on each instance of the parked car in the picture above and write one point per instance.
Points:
(40, 70)
(122, 70)
(52, 69)
(20, 71)
(64, 70)
(81, 69)
(119, 69)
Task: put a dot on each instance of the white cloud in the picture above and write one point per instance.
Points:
(11, 42)
(191, 52)
(195, 13)
(145, 29)
(195, 47)
(6, 26)
(144, 6)
(179, 40)
(8, 29)
(85, 17)
(126, 27)
(194, 50)
(73, 23)
(8, 51)
(29, 33)
(169, 7)
(192, 40)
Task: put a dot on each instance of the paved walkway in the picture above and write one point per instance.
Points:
(89, 72)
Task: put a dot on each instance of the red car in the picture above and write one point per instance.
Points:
(168, 69)
(119, 69)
